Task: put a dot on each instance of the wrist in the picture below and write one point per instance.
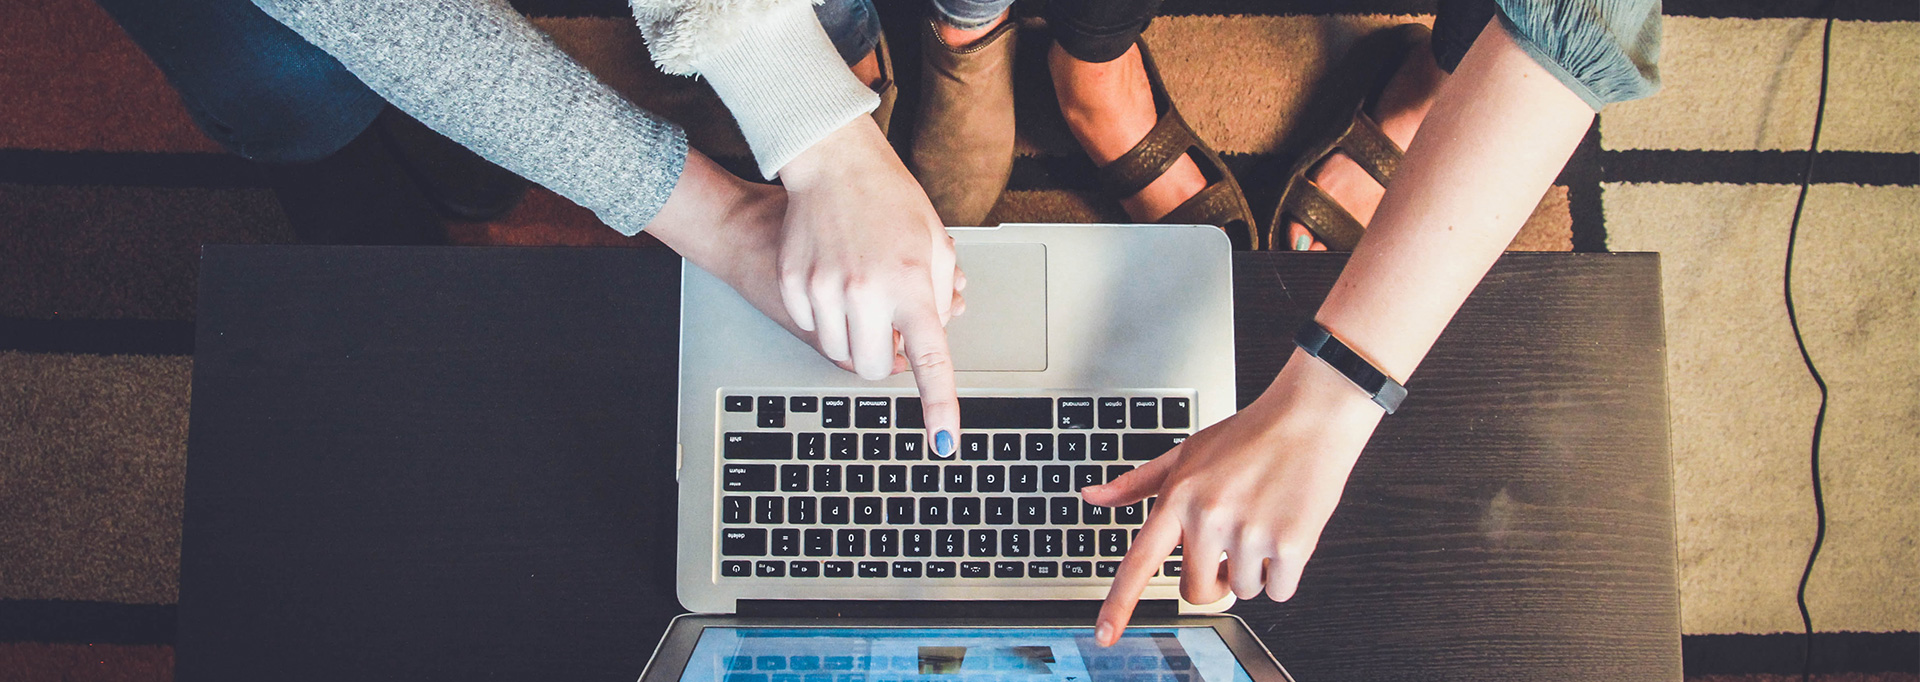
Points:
(1307, 386)
(836, 153)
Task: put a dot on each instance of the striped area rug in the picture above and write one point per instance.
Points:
(107, 190)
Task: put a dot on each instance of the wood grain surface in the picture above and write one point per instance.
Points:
(411, 463)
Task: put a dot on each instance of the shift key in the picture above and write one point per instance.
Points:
(747, 478)
(757, 445)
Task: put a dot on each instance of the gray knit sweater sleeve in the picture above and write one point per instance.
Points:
(479, 73)
(1606, 51)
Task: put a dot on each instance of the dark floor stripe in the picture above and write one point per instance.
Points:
(143, 169)
(1761, 167)
(1850, 10)
(1781, 654)
(97, 337)
(85, 622)
(1582, 179)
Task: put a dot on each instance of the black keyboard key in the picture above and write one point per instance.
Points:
(949, 542)
(836, 569)
(801, 403)
(843, 446)
(916, 542)
(999, 511)
(1006, 413)
(859, 478)
(983, 543)
(872, 413)
(1086, 475)
(770, 569)
(1170, 569)
(768, 510)
(925, 478)
(736, 568)
(739, 403)
(933, 511)
(907, 414)
(803, 569)
(872, 569)
(1043, 569)
(755, 445)
(1095, 515)
(747, 478)
(1142, 446)
(883, 542)
(800, 510)
(940, 569)
(1077, 569)
(1174, 414)
(743, 542)
(1039, 446)
(1062, 511)
(906, 569)
(817, 542)
(834, 510)
(735, 509)
(973, 446)
(1115, 471)
(966, 511)
(793, 478)
(1056, 478)
(1104, 446)
(874, 446)
(866, 511)
(826, 478)
(1009, 569)
(1032, 511)
(975, 569)
(893, 478)
(1006, 446)
(900, 511)
(1073, 446)
(1113, 542)
(1046, 542)
(1130, 515)
(834, 412)
(1015, 542)
(907, 446)
(1106, 569)
(1076, 413)
(1144, 413)
(772, 412)
(850, 542)
(812, 446)
(784, 542)
(1023, 478)
(1080, 542)
(992, 478)
(959, 479)
(1113, 413)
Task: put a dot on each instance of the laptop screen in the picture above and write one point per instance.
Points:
(1004, 654)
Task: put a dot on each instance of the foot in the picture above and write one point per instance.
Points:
(1109, 107)
(1399, 110)
(962, 150)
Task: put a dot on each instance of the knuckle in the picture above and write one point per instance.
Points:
(935, 359)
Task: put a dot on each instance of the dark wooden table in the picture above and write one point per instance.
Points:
(412, 463)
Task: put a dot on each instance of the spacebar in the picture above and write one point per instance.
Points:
(984, 413)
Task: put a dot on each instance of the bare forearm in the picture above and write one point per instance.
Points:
(1500, 130)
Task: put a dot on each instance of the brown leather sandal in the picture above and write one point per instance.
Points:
(1358, 136)
(1220, 203)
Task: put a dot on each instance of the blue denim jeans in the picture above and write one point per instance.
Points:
(969, 14)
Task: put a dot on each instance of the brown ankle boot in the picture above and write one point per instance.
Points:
(963, 144)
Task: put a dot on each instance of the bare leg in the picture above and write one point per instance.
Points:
(962, 38)
(1109, 108)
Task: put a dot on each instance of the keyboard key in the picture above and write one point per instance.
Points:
(1077, 569)
(859, 478)
(983, 543)
(768, 510)
(747, 478)
(1113, 542)
(1009, 569)
(933, 511)
(893, 478)
(736, 509)
(769, 569)
(992, 478)
(1006, 413)
(1062, 511)
(966, 511)
(1015, 542)
(866, 511)
(736, 568)
(834, 411)
(817, 542)
(959, 478)
(906, 569)
(739, 662)
(1106, 569)
(812, 446)
(1076, 413)
(772, 412)
(1039, 446)
(1046, 542)
(834, 510)
(784, 541)
(973, 446)
(940, 569)
(755, 445)
(1104, 446)
(900, 511)
(883, 542)
(872, 569)
(925, 478)
(907, 446)
(1095, 515)
(872, 413)
(836, 569)
(1171, 569)
(1142, 446)
(743, 542)
(803, 569)
(999, 511)
(843, 446)
(739, 403)
(1113, 413)
(1144, 413)
(1073, 446)
(874, 446)
(1174, 414)
(806, 403)
(1032, 511)
(1080, 542)
(850, 542)
(1043, 569)
(800, 510)
(947, 542)
(826, 478)
(916, 542)
(1006, 446)
(907, 414)
(1023, 478)
(770, 663)
(1115, 471)
(793, 478)
(975, 569)
(1056, 479)
(1086, 475)
(1131, 515)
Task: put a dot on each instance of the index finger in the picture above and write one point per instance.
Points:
(1155, 542)
(925, 341)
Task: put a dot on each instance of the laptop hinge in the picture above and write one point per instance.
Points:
(883, 608)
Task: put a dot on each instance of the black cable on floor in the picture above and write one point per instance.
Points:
(1793, 232)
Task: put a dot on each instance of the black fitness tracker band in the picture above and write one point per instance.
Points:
(1319, 343)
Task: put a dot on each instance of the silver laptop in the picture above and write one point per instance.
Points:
(1084, 351)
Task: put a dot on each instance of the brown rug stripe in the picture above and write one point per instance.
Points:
(33, 662)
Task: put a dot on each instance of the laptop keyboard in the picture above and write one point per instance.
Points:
(817, 486)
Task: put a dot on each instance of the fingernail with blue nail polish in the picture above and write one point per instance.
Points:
(943, 443)
(1302, 242)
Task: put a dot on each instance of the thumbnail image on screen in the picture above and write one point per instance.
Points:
(1181, 654)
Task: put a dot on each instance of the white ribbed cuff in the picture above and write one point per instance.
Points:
(784, 83)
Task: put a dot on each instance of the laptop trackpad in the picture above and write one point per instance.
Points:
(1005, 326)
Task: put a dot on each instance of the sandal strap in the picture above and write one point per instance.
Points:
(1323, 216)
(1150, 158)
(1215, 204)
(1368, 145)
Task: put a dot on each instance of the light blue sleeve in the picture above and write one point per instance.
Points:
(1606, 51)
